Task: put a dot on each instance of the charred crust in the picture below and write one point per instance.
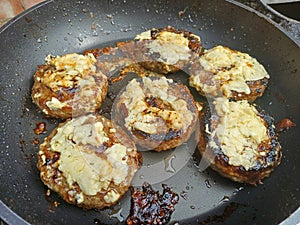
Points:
(170, 135)
(264, 164)
(150, 207)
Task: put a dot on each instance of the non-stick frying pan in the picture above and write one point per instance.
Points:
(59, 27)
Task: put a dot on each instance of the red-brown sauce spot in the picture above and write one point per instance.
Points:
(40, 128)
(36, 141)
(284, 125)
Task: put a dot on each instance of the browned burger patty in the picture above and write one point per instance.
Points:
(167, 50)
(68, 86)
(158, 113)
(111, 60)
(221, 71)
(239, 142)
(89, 161)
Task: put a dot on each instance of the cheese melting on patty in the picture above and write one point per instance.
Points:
(67, 70)
(144, 118)
(231, 70)
(239, 132)
(171, 47)
(72, 71)
(80, 163)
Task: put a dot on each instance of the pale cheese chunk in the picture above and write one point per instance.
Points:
(231, 69)
(134, 99)
(239, 132)
(79, 163)
(67, 70)
(172, 47)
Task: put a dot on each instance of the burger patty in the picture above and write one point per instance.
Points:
(113, 59)
(221, 71)
(157, 112)
(239, 142)
(167, 50)
(68, 86)
(89, 161)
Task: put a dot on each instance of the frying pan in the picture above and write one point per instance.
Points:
(59, 27)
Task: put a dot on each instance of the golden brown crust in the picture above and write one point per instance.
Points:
(53, 177)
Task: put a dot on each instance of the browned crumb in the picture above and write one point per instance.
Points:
(150, 207)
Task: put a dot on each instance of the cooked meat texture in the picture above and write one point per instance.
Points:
(112, 59)
(158, 113)
(116, 62)
(161, 51)
(239, 142)
(167, 50)
(150, 207)
(88, 161)
(68, 86)
(221, 71)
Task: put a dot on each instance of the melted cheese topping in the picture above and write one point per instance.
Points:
(172, 47)
(67, 70)
(231, 69)
(80, 163)
(145, 118)
(239, 132)
(55, 104)
(76, 72)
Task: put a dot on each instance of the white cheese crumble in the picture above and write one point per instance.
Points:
(239, 132)
(179, 117)
(55, 104)
(172, 47)
(67, 70)
(231, 70)
(80, 163)
(111, 196)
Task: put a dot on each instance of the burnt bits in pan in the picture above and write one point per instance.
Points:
(150, 207)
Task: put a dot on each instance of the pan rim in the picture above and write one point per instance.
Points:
(11, 217)
(261, 15)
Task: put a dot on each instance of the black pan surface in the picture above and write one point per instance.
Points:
(59, 27)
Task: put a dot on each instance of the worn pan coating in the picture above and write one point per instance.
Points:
(59, 27)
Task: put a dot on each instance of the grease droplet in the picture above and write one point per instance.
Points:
(224, 199)
(208, 185)
(168, 164)
(117, 214)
